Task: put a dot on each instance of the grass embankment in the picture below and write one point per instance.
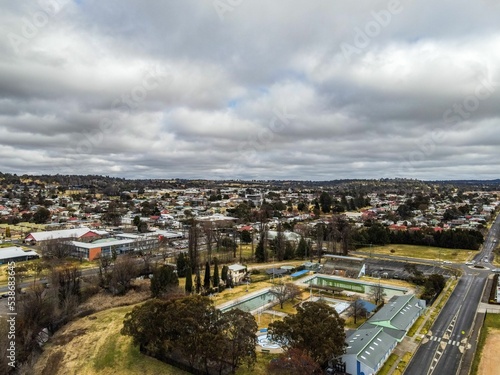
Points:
(491, 325)
(436, 309)
(393, 359)
(94, 345)
(421, 252)
(496, 256)
(388, 365)
(416, 326)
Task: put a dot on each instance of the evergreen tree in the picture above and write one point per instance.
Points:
(260, 252)
(325, 201)
(182, 264)
(189, 281)
(223, 274)
(289, 251)
(302, 248)
(206, 280)
(216, 274)
(246, 236)
(198, 280)
(164, 279)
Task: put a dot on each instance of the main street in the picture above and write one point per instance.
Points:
(442, 349)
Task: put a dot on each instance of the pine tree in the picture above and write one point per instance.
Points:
(216, 274)
(189, 281)
(206, 280)
(7, 232)
(223, 274)
(182, 264)
(302, 248)
(260, 253)
(198, 280)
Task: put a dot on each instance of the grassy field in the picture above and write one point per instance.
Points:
(94, 345)
(422, 252)
(491, 323)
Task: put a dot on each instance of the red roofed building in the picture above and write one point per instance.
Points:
(247, 228)
(395, 227)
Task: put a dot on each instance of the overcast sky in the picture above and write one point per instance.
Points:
(251, 89)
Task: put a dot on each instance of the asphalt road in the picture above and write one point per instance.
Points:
(442, 350)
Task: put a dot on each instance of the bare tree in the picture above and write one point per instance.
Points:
(193, 245)
(319, 238)
(124, 270)
(357, 309)
(55, 248)
(284, 292)
(104, 265)
(66, 282)
(377, 293)
(208, 231)
(279, 243)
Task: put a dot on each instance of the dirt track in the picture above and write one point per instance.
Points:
(491, 353)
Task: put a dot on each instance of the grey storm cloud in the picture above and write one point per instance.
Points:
(250, 89)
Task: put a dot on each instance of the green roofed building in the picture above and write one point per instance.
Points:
(372, 343)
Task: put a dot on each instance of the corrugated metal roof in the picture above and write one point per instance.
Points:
(14, 252)
(370, 345)
(64, 233)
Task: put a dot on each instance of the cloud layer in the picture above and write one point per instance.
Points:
(250, 89)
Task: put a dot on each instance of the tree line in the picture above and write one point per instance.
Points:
(378, 234)
(192, 334)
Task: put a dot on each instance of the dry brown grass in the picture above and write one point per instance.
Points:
(104, 300)
(94, 345)
(491, 351)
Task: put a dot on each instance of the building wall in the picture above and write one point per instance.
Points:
(93, 253)
(354, 367)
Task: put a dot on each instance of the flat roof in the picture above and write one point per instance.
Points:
(14, 252)
(344, 257)
(112, 242)
(299, 273)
